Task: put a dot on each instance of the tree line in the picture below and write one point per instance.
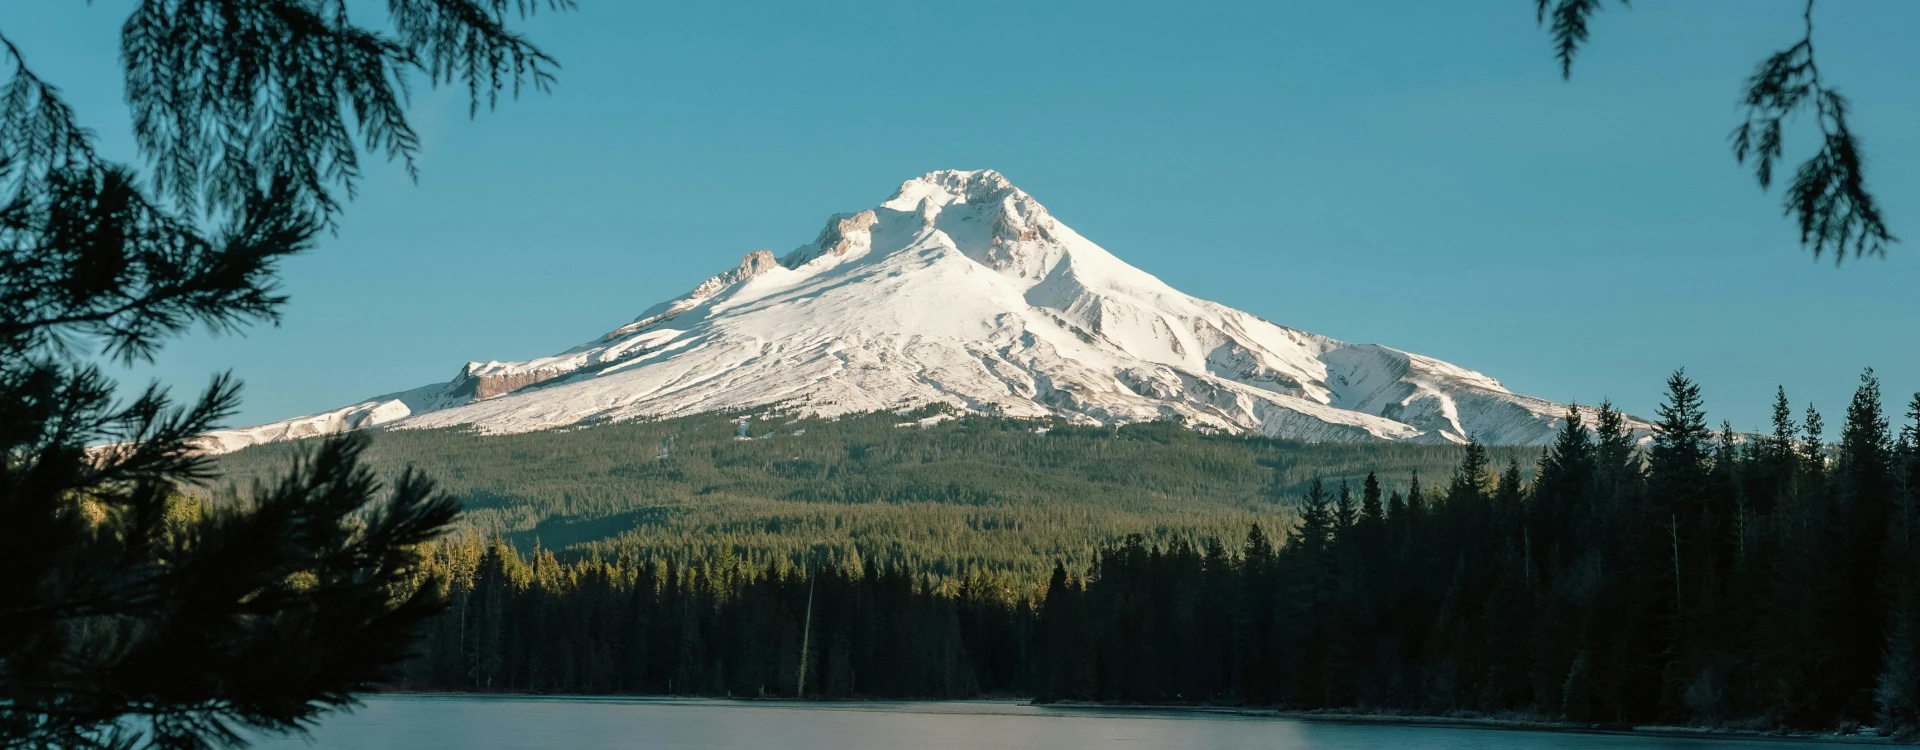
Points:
(974, 491)
(1698, 576)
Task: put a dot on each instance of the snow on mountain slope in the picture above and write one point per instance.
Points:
(960, 289)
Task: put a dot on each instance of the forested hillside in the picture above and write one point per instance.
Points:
(935, 494)
(1757, 581)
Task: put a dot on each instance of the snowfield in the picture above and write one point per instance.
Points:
(960, 289)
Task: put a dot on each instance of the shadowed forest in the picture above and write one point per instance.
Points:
(1700, 576)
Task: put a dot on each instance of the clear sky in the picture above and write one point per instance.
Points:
(1411, 173)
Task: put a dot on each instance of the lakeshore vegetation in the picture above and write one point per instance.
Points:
(1697, 576)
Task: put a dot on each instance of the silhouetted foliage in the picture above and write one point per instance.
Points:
(228, 95)
(1568, 25)
(131, 614)
(1828, 196)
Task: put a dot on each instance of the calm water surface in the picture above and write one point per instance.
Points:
(468, 723)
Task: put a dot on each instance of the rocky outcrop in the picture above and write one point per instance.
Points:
(479, 387)
(754, 264)
(844, 235)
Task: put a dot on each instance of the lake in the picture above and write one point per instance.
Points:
(520, 723)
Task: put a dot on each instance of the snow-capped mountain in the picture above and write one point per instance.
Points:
(960, 289)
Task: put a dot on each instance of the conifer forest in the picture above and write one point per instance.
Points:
(1692, 574)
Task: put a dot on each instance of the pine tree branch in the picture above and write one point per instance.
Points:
(38, 130)
(86, 254)
(1828, 196)
(1568, 27)
(230, 94)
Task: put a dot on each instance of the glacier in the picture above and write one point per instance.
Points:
(960, 289)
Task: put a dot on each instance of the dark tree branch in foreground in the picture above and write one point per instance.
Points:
(229, 95)
(130, 614)
(1828, 196)
(1569, 27)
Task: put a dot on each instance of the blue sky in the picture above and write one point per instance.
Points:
(1409, 173)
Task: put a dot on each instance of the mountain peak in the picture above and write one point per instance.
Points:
(961, 289)
(946, 187)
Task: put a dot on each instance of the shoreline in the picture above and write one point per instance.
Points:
(1515, 723)
(1569, 727)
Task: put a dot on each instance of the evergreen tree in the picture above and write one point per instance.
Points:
(1897, 686)
(1678, 460)
(1345, 515)
(1567, 466)
(128, 613)
(1416, 499)
(1372, 513)
(1509, 494)
(1784, 429)
(1813, 447)
(1776, 457)
(1474, 477)
(1254, 623)
(1862, 481)
(1056, 634)
(1560, 493)
(1616, 463)
(1315, 533)
(1910, 432)
(1678, 469)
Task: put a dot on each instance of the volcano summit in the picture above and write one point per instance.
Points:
(960, 289)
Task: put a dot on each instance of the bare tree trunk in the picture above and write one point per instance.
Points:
(1673, 532)
(806, 633)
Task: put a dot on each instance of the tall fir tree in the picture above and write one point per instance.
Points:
(1862, 484)
(1345, 513)
(1813, 445)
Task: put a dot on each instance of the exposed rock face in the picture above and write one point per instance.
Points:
(754, 264)
(962, 289)
(481, 386)
(845, 234)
